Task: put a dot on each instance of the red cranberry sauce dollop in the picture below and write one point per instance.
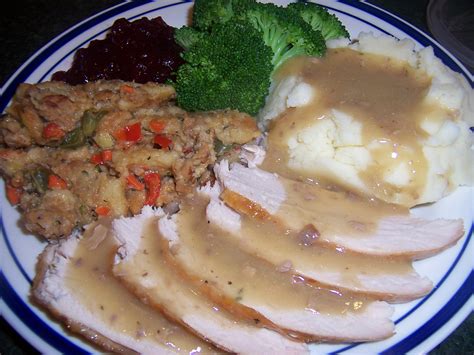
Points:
(142, 51)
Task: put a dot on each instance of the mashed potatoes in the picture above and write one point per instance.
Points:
(386, 120)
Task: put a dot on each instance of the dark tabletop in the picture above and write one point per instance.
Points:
(29, 24)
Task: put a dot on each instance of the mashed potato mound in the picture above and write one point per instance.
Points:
(333, 146)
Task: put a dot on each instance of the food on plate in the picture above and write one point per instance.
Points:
(60, 115)
(73, 153)
(141, 267)
(375, 116)
(234, 46)
(274, 296)
(238, 79)
(387, 278)
(70, 283)
(341, 218)
(178, 213)
(142, 51)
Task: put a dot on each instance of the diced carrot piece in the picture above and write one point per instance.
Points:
(127, 89)
(120, 135)
(157, 126)
(134, 183)
(55, 182)
(102, 210)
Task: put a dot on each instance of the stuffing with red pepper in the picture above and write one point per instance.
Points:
(71, 154)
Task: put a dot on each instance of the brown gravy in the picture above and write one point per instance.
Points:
(209, 253)
(333, 212)
(276, 243)
(90, 276)
(385, 95)
(266, 238)
(155, 279)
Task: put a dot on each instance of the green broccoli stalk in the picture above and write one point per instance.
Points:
(320, 19)
(229, 68)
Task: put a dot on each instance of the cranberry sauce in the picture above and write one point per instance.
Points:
(143, 50)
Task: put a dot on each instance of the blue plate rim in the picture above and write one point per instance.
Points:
(59, 342)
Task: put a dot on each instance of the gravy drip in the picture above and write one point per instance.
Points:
(385, 95)
(209, 253)
(90, 277)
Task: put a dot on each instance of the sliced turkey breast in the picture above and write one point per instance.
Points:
(255, 289)
(386, 278)
(75, 284)
(364, 226)
(141, 266)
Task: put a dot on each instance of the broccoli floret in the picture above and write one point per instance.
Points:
(320, 19)
(229, 68)
(234, 47)
(187, 36)
(208, 13)
(285, 32)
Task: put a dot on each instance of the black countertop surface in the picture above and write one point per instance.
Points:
(27, 25)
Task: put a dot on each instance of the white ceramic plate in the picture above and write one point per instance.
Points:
(420, 325)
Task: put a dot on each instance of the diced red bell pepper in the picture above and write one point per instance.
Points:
(13, 194)
(153, 185)
(101, 157)
(106, 155)
(130, 133)
(97, 159)
(133, 132)
(53, 131)
(163, 141)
